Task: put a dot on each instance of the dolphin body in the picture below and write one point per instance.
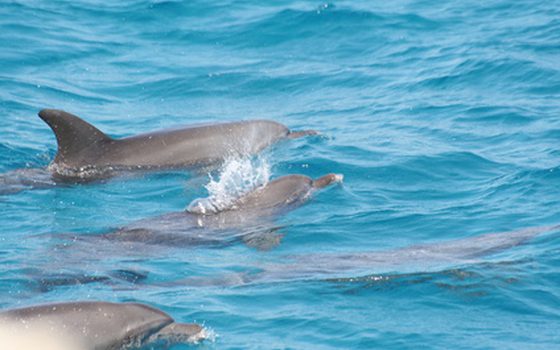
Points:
(355, 266)
(423, 258)
(99, 325)
(85, 153)
(206, 223)
(413, 259)
(203, 224)
(82, 147)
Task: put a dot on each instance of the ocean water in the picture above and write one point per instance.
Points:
(444, 119)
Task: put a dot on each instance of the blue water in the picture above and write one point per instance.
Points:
(444, 118)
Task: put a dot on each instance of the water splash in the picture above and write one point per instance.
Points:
(237, 176)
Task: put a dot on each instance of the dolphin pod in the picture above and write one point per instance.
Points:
(91, 325)
(85, 151)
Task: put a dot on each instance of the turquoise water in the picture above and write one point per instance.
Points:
(444, 119)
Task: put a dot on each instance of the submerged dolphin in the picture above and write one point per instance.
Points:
(93, 326)
(248, 217)
(349, 266)
(423, 258)
(209, 222)
(85, 153)
(417, 258)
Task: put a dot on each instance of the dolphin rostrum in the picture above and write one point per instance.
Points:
(94, 325)
(84, 150)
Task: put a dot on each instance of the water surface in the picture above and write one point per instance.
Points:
(444, 119)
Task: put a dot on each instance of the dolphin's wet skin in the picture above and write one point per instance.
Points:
(249, 219)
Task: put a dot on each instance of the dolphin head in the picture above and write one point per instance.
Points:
(285, 191)
(103, 325)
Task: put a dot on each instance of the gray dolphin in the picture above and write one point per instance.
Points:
(423, 258)
(85, 151)
(247, 218)
(100, 325)
(207, 223)
(417, 258)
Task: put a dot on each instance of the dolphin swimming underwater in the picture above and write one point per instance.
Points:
(248, 218)
(92, 325)
(416, 258)
(208, 223)
(423, 258)
(85, 153)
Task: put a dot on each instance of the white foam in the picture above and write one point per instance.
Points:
(205, 334)
(237, 176)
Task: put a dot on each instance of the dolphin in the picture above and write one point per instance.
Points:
(247, 218)
(422, 258)
(207, 222)
(416, 258)
(85, 153)
(353, 266)
(84, 150)
(97, 325)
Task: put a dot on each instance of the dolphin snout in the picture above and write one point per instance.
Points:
(326, 180)
(302, 133)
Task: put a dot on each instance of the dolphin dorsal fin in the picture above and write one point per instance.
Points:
(73, 135)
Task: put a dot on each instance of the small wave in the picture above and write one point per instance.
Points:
(236, 177)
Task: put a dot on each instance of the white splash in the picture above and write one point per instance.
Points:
(237, 177)
(206, 334)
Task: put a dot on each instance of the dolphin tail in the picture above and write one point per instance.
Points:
(302, 133)
(326, 180)
(77, 140)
